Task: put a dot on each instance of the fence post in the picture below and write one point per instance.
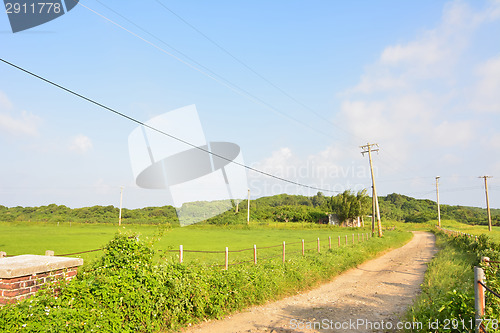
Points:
(479, 302)
(330, 242)
(318, 246)
(283, 251)
(181, 254)
(486, 260)
(227, 259)
(339, 241)
(303, 248)
(255, 254)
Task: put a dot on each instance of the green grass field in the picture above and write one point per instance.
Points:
(471, 229)
(35, 238)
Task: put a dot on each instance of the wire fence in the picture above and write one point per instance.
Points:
(284, 250)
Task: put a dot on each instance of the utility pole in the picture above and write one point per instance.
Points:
(487, 200)
(248, 208)
(121, 199)
(368, 149)
(437, 194)
(373, 211)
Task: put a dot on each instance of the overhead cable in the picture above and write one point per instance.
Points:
(157, 130)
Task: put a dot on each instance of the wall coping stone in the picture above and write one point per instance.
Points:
(30, 264)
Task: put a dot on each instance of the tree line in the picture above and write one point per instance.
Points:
(278, 208)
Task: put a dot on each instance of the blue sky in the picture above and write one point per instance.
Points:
(422, 79)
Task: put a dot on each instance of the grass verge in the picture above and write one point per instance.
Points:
(446, 303)
(448, 290)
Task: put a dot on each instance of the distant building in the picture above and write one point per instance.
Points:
(333, 219)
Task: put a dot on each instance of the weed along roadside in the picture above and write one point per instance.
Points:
(129, 290)
(453, 298)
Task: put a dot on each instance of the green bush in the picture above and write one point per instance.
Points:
(127, 291)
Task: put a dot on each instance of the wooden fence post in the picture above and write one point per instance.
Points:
(318, 246)
(255, 254)
(339, 241)
(283, 251)
(227, 259)
(479, 302)
(181, 254)
(303, 248)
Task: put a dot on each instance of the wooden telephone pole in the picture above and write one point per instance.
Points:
(368, 149)
(437, 194)
(487, 200)
(121, 200)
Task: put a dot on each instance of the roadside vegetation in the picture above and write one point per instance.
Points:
(447, 298)
(127, 290)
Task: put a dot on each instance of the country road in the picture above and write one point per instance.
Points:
(369, 298)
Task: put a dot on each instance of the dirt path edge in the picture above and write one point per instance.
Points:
(369, 298)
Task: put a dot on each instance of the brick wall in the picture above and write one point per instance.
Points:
(18, 288)
(22, 276)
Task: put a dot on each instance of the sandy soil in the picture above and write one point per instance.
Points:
(369, 298)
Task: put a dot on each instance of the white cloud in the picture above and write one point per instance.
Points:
(101, 187)
(25, 124)
(433, 54)
(450, 160)
(410, 95)
(487, 90)
(456, 133)
(329, 170)
(279, 163)
(19, 124)
(5, 103)
(494, 142)
(80, 144)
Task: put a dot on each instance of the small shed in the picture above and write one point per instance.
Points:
(333, 219)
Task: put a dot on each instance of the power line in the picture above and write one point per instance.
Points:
(241, 62)
(205, 71)
(157, 130)
(230, 85)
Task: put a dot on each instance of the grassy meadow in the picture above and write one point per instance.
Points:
(63, 238)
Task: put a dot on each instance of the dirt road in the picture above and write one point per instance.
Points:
(369, 298)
